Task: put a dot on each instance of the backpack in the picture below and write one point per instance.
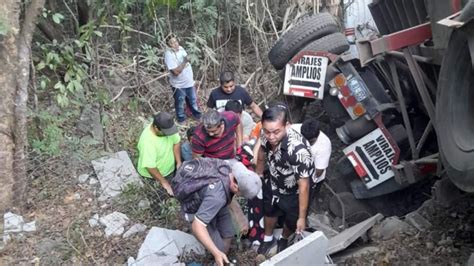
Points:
(195, 174)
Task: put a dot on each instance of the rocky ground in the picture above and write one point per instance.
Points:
(63, 198)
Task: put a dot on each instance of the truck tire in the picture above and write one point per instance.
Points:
(335, 43)
(303, 32)
(454, 112)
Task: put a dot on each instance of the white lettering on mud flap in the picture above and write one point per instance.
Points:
(371, 157)
(306, 77)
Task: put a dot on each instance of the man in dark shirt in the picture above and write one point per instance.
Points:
(217, 136)
(291, 168)
(211, 220)
(229, 91)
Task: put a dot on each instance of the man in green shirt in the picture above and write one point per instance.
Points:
(159, 150)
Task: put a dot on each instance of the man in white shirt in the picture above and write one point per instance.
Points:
(320, 148)
(181, 79)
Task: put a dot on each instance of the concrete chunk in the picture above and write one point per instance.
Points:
(164, 242)
(115, 172)
(94, 220)
(308, 251)
(321, 223)
(418, 221)
(13, 223)
(393, 226)
(114, 223)
(348, 236)
(134, 229)
(83, 178)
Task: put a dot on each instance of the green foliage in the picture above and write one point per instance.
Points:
(70, 71)
(3, 27)
(150, 54)
(205, 16)
(56, 17)
(49, 139)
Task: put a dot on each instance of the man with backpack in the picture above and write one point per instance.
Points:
(205, 187)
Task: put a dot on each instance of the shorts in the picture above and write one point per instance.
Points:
(285, 207)
(220, 228)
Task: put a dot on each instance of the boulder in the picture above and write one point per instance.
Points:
(89, 123)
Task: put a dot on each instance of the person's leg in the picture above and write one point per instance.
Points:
(271, 213)
(186, 151)
(179, 98)
(191, 95)
(225, 227)
(290, 207)
(216, 236)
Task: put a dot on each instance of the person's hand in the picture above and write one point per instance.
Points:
(300, 225)
(178, 165)
(244, 230)
(168, 189)
(221, 258)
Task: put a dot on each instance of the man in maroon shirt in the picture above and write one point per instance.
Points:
(217, 136)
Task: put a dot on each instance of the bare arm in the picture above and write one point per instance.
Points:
(155, 173)
(177, 154)
(176, 71)
(256, 109)
(201, 233)
(239, 135)
(303, 198)
(256, 150)
(196, 155)
(260, 160)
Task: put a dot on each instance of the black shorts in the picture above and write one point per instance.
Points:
(285, 207)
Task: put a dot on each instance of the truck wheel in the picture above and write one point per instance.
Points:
(335, 43)
(454, 112)
(303, 32)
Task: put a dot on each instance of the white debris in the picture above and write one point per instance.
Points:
(114, 223)
(14, 224)
(144, 204)
(93, 181)
(164, 244)
(134, 229)
(94, 221)
(83, 178)
(29, 227)
(115, 172)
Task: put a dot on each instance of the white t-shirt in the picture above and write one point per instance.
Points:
(247, 123)
(321, 151)
(172, 60)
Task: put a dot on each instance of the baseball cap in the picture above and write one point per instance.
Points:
(249, 182)
(164, 121)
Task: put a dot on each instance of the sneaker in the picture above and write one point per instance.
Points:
(266, 246)
(282, 244)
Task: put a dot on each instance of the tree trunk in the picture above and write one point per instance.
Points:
(50, 31)
(8, 69)
(83, 13)
(21, 110)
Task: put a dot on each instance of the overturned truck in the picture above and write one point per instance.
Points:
(404, 107)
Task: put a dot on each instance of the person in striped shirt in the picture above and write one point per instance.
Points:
(217, 136)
